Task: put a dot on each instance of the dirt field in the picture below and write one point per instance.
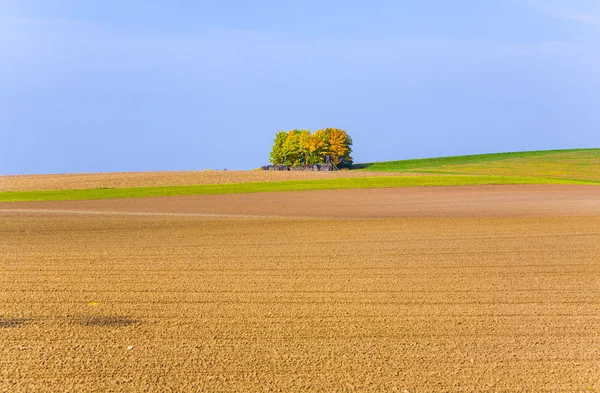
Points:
(418, 290)
(80, 181)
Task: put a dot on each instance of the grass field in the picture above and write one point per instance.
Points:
(579, 164)
(537, 167)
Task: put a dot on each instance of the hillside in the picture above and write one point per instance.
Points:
(579, 164)
(536, 167)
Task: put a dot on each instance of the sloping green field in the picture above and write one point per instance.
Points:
(537, 167)
(581, 164)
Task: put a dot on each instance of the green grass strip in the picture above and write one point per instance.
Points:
(426, 163)
(301, 185)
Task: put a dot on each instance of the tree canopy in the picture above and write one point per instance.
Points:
(301, 147)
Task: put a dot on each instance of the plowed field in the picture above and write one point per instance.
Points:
(437, 289)
(78, 181)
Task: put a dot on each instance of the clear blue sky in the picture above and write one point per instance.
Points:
(115, 85)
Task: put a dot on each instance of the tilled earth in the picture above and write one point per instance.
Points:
(76, 181)
(442, 299)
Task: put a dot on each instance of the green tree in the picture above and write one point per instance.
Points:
(277, 155)
(293, 148)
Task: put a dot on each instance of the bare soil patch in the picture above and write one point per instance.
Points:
(456, 297)
(81, 181)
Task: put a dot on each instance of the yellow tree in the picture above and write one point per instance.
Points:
(339, 146)
(304, 142)
(314, 146)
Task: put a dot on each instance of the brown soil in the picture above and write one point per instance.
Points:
(153, 179)
(460, 297)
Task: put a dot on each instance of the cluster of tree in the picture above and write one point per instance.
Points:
(300, 147)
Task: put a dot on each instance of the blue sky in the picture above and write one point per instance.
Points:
(107, 85)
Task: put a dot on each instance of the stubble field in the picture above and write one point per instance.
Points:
(437, 289)
(82, 181)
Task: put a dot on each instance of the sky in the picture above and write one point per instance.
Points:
(141, 85)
